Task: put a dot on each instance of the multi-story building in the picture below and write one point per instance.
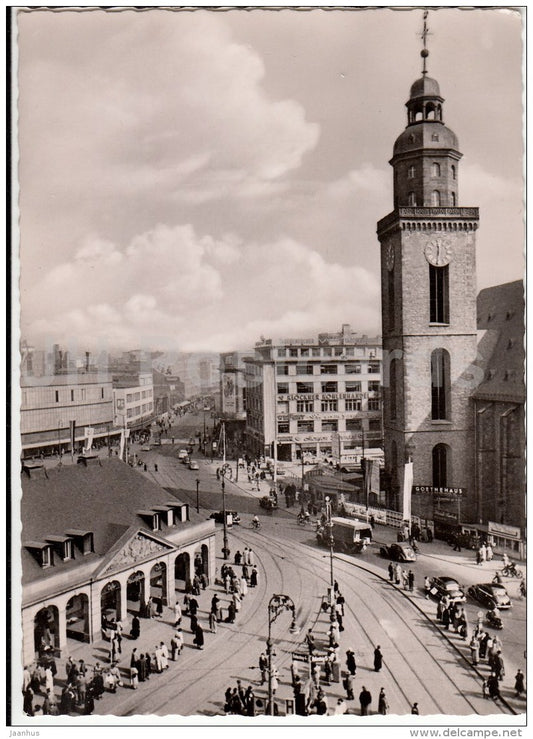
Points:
(133, 398)
(303, 393)
(233, 385)
(55, 407)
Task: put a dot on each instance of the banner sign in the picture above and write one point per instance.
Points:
(89, 435)
(444, 492)
(504, 530)
(407, 487)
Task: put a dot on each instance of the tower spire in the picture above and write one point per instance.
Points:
(425, 33)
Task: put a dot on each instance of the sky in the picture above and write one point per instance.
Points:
(192, 181)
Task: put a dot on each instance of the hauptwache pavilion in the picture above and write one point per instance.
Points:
(98, 540)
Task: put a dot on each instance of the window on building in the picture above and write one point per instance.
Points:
(102, 392)
(315, 351)
(87, 545)
(453, 172)
(281, 351)
(72, 395)
(67, 550)
(353, 424)
(293, 352)
(434, 136)
(283, 407)
(374, 367)
(305, 406)
(352, 405)
(328, 405)
(304, 352)
(339, 351)
(329, 387)
(327, 351)
(304, 369)
(328, 369)
(373, 386)
(350, 351)
(435, 169)
(435, 199)
(283, 427)
(330, 425)
(454, 202)
(374, 404)
(129, 397)
(440, 461)
(411, 199)
(283, 388)
(306, 426)
(352, 369)
(352, 387)
(393, 389)
(374, 424)
(156, 522)
(411, 171)
(440, 385)
(282, 369)
(57, 396)
(304, 388)
(439, 299)
(47, 559)
(83, 394)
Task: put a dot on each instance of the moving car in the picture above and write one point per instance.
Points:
(441, 586)
(193, 465)
(400, 552)
(182, 453)
(267, 502)
(185, 459)
(490, 595)
(232, 517)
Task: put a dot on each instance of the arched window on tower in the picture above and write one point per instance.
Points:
(435, 169)
(453, 172)
(412, 199)
(440, 385)
(439, 295)
(441, 459)
(393, 389)
(391, 302)
(435, 199)
(411, 172)
(454, 199)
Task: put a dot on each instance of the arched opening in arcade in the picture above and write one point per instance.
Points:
(182, 571)
(110, 603)
(158, 585)
(135, 597)
(77, 614)
(201, 561)
(46, 629)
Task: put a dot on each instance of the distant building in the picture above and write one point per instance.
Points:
(81, 569)
(133, 398)
(499, 414)
(233, 385)
(302, 394)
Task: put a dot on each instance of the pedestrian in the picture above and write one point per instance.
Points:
(310, 641)
(378, 659)
(173, 648)
(238, 557)
(81, 687)
(251, 558)
(405, 579)
(427, 589)
(158, 659)
(350, 662)
(134, 677)
(199, 637)
(155, 467)
(474, 650)
(244, 586)
(365, 699)
(141, 667)
(164, 655)
(499, 665)
(48, 679)
(483, 642)
(340, 708)
(391, 571)
(519, 683)
(253, 578)
(135, 628)
(134, 657)
(383, 705)
(411, 580)
(485, 688)
(397, 574)
(231, 613)
(263, 666)
(97, 682)
(414, 709)
(446, 618)
(493, 686)
(145, 467)
(177, 615)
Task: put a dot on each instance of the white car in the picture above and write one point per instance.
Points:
(146, 448)
(193, 465)
(182, 454)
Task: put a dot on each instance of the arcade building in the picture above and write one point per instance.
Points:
(98, 540)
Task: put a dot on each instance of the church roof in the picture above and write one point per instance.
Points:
(425, 87)
(500, 315)
(426, 135)
(107, 500)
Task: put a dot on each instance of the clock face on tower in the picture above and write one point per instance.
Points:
(439, 252)
(389, 257)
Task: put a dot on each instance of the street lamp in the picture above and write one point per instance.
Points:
(197, 496)
(303, 471)
(331, 543)
(278, 603)
(225, 550)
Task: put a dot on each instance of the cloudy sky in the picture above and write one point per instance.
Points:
(194, 180)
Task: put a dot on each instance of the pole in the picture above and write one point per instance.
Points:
(197, 496)
(331, 542)
(225, 550)
(269, 650)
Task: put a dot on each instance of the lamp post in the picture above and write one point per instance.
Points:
(278, 603)
(331, 543)
(197, 496)
(225, 550)
(303, 471)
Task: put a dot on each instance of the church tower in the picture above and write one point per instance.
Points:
(428, 293)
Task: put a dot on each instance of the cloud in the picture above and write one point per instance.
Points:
(171, 288)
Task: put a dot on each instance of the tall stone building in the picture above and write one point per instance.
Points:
(428, 287)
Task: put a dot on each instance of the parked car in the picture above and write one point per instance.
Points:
(145, 448)
(182, 453)
(219, 517)
(193, 465)
(400, 552)
(490, 595)
(441, 586)
(267, 502)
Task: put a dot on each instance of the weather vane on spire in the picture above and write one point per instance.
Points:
(425, 33)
